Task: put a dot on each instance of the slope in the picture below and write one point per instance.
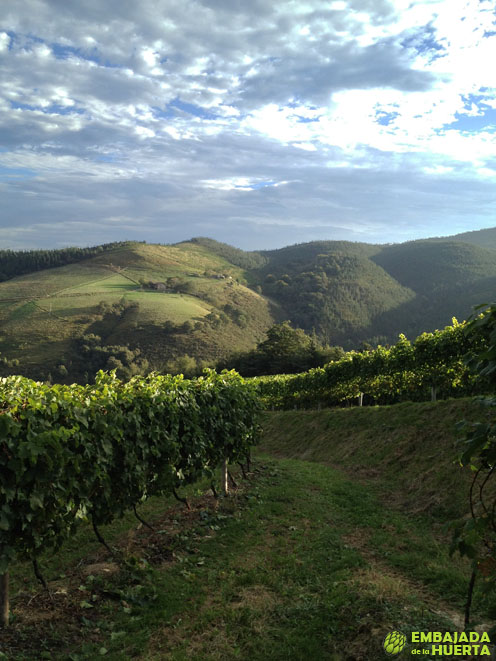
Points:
(353, 292)
(165, 301)
(205, 299)
(448, 278)
(333, 288)
(426, 267)
(407, 449)
(301, 561)
(483, 238)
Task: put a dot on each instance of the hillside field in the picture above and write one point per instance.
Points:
(204, 301)
(42, 313)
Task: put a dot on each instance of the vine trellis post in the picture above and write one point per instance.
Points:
(225, 478)
(4, 599)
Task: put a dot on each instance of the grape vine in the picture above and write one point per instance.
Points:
(475, 536)
(73, 453)
(433, 363)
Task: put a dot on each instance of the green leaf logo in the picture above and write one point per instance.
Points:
(394, 643)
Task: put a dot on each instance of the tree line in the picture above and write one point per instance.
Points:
(20, 262)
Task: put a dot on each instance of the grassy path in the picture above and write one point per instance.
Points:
(301, 563)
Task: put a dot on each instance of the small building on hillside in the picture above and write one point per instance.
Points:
(158, 286)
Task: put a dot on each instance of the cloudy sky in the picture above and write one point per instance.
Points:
(257, 123)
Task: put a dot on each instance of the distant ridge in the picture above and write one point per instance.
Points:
(132, 304)
(484, 238)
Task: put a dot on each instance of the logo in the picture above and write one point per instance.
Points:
(394, 643)
(439, 643)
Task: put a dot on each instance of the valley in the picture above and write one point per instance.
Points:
(184, 306)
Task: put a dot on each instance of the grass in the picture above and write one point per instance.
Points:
(155, 307)
(52, 280)
(407, 450)
(21, 311)
(301, 562)
(67, 299)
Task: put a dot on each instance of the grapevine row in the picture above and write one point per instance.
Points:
(71, 453)
(408, 370)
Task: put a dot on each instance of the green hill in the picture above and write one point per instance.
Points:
(332, 287)
(201, 307)
(427, 267)
(448, 279)
(353, 292)
(198, 301)
(484, 238)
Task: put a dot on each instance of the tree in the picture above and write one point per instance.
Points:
(185, 365)
(62, 369)
(284, 344)
(188, 326)
(286, 350)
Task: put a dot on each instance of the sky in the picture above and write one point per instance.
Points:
(260, 124)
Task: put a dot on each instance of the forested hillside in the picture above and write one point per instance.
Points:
(354, 292)
(484, 238)
(137, 307)
(19, 262)
(333, 288)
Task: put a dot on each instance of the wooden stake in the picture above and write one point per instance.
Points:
(225, 478)
(4, 599)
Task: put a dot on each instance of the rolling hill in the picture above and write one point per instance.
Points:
(484, 238)
(204, 311)
(145, 306)
(354, 292)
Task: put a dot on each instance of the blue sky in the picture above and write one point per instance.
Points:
(259, 124)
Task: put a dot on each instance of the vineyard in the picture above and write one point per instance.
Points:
(74, 453)
(434, 364)
(81, 457)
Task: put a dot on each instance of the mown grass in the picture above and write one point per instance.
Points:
(301, 562)
(407, 450)
(154, 307)
(67, 301)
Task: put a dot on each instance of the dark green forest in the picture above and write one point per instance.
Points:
(241, 258)
(286, 350)
(348, 293)
(19, 262)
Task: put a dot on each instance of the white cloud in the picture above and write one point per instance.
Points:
(227, 184)
(438, 169)
(144, 132)
(4, 42)
(207, 112)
